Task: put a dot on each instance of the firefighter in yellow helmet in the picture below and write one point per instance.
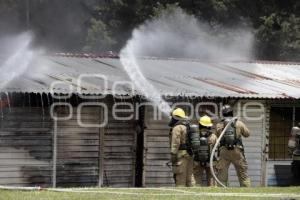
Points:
(182, 161)
(207, 142)
(231, 149)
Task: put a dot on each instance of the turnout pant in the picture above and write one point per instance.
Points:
(183, 171)
(237, 158)
(198, 174)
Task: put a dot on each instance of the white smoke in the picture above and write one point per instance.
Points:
(16, 57)
(179, 35)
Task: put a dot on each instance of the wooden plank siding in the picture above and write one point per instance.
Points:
(91, 156)
(119, 154)
(25, 147)
(78, 148)
(254, 145)
(119, 151)
(86, 156)
(156, 152)
(94, 156)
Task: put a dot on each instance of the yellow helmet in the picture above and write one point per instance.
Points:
(178, 112)
(205, 121)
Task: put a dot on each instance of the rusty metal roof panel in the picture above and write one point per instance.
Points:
(170, 77)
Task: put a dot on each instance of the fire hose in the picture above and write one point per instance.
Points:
(19, 188)
(214, 150)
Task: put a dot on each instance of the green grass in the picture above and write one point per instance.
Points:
(145, 194)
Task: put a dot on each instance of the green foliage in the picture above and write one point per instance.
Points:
(160, 9)
(279, 35)
(101, 25)
(106, 25)
(99, 39)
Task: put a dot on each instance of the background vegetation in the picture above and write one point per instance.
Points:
(103, 25)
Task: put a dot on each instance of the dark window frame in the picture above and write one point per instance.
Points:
(278, 147)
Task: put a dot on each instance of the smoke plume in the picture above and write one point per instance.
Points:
(179, 35)
(17, 57)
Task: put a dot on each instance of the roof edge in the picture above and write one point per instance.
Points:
(111, 54)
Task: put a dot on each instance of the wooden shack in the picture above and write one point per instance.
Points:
(36, 149)
(84, 156)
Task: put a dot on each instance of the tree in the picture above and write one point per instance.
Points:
(99, 38)
(279, 36)
(101, 25)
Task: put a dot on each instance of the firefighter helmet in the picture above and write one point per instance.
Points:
(205, 121)
(227, 109)
(178, 112)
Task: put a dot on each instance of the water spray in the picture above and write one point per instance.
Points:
(132, 68)
(214, 150)
(18, 62)
(176, 34)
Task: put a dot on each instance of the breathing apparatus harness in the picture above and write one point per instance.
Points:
(203, 153)
(195, 145)
(187, 145)
(193, 141)
(229, 123)
(230, 140)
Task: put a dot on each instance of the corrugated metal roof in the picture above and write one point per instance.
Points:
(170, 76)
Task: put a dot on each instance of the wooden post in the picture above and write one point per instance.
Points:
(54, 155)
(144, 160)
(101, 150)
(134, 149)
(145, 149)
(294, 115)
(265, 144)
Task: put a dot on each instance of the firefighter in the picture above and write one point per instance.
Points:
(294, 147)
(231, 148)
(207, 141)
(181, 158)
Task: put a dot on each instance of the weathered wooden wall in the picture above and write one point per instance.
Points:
(119, 152)
(156, 152)
(25, 147)
(96, 156)
(254, 145)
(86, 156)
(91, 156)
(78, 156)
